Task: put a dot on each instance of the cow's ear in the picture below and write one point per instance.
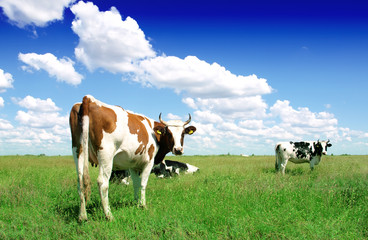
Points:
(159, 130)
(190, 130)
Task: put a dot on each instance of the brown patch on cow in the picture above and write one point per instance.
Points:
(137, 127)
(140, 149)
(151, 149)
(75, 127)
(149, 122)
(101, 119)
(156, 125)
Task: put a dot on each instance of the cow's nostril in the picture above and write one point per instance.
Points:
(178, 151)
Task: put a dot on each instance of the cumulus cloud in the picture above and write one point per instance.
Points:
(106, 41)
(197, 78)
(207, 117)
(41, 126)
(62, 69)
(1, 102)
(231, 108)
(302, 117)
(6, 81)
(5, 125)
(41, 120)
(36, 104)
(40, 114)
(34, 12)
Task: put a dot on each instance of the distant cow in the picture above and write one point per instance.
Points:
(120, 176)
(300, 152)
(168, 168)
(115, 139)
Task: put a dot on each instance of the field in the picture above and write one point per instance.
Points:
(232, 197)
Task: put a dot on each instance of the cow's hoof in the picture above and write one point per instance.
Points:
(110, 218)
(82, 219)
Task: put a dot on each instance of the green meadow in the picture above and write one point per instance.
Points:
(232, 197)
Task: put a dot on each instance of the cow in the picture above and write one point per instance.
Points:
(168, 168)
(116, 139)
(120, 176)
(300, 152)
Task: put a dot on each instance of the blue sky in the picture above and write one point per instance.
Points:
(251, 73)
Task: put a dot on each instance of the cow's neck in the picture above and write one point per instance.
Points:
(162, 151)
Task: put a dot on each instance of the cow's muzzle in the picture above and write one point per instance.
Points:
(178, 151)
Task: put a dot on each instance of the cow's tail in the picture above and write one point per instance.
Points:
(83, 154)
(277, 162)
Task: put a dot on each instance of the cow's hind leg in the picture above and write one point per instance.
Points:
(105, 163)
(277, 163)
(79, 163)
(283, 166)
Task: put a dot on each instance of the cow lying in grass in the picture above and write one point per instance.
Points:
(168, 168)
(165, 169)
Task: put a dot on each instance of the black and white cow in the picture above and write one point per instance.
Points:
(168, 168)
(120, 176)
(165, 169)
(300, 152)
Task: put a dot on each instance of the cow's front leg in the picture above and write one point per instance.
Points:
(136, 183)
(145, 175)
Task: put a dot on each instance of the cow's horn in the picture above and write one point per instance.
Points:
(162, 121)
(188, 121)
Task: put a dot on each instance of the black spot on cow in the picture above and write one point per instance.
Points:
(302, 149)
(318, 149)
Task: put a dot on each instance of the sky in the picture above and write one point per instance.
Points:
(250, 73)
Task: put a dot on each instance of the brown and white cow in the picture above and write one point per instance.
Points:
(113, 138)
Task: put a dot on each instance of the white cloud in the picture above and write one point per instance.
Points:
(5, 125)
(252, 124)
(6, 81)
(171, 116)
(106, 41)
(40, 114)
(62, 69)
(302, 117)
(207, 117)
(231, 108)
(37, 104)
(1, 102)
(34, 12)
(40, 129)
(41, 120)
(197, 78)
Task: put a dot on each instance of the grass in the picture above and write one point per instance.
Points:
(232, 197)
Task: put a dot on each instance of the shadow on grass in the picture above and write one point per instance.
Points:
(293, 172)
(70, 211)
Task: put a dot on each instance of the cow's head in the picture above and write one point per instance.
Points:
(171, 134)
(325, 145)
